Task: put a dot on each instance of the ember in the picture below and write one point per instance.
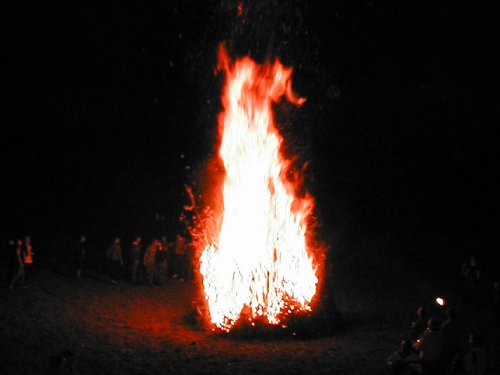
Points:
(258, 264)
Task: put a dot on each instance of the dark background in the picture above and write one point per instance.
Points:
(111, 107)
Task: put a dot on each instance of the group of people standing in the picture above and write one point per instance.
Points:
(20, 261)
(150, 263)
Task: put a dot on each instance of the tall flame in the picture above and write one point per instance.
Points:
(259, 261)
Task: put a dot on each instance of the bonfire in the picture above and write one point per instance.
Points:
(257, 262)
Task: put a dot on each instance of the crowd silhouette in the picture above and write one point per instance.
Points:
(439, 343)
(150, 263)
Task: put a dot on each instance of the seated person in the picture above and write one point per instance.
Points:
(404, 361)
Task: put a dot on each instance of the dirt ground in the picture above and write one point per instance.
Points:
(136, 329)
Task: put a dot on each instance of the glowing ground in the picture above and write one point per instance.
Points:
(126, 329)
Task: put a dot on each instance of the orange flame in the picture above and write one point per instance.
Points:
(259, 260)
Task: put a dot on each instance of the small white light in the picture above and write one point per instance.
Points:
(440, 301)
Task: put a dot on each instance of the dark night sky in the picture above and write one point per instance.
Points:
(398, 126)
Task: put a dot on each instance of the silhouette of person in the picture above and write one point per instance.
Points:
(80, 251)
(418, 326)
(404, 361)
(430, 347)
(135, 260)
(115, 260)
(27, 258)
(18, 275)
(476, 359)
(150, 260)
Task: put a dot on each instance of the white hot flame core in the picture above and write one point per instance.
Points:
(260, 260)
